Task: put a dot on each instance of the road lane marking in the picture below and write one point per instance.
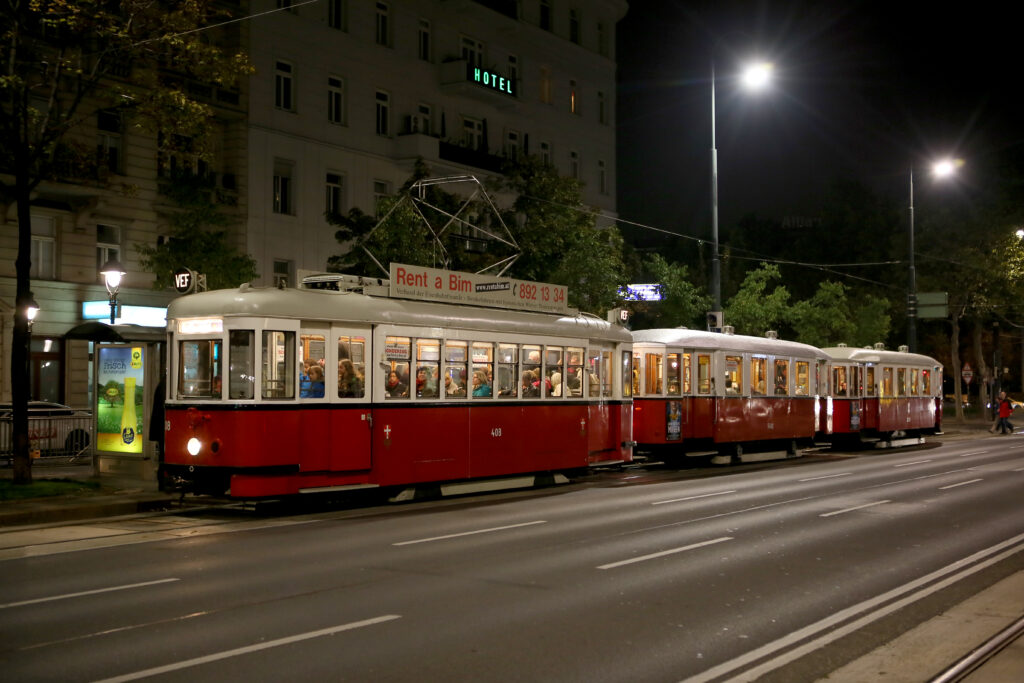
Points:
(663, 553)
(217, 656)
(963, 483)
(857, 507)
(916, 462)
(825, 631)
(471, 533)
(964, 455)
(92, 592)
(703, 495)
(827, 476)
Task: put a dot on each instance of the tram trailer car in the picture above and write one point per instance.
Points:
(728, 396)
(402, 401)
(886, 397)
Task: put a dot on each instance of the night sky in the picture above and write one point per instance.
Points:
(862, 91)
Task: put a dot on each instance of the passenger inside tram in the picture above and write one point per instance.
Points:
(313, 385)
(395, 387)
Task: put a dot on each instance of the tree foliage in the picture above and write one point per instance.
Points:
(682, 304)
(760, 304)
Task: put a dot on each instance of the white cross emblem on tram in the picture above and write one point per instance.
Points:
(387, 431)
(583, 424)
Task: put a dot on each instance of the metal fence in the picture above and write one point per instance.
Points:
(68, 436)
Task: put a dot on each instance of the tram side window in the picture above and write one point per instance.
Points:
(733, 375)
(351, 367)
(594, 373)
(531, 372)
(628, 371)
(635, 375)
(672, 372)
(914, 381)
(926, 383)
(313, 355)
(508, 359)
(483, 370)
(781, 377)
(803, 378)
(839, 381)
(901, 381)
(887, 383)
(758, 376)
(687, 375)
(573, 380)
(554, 372)
(869, 373)
(455, 355)
(653, 373)
(241, 359)
(200, 375)
(605, 378)
(703, 374)
(397, 352)
(428, 357)
(278, 364)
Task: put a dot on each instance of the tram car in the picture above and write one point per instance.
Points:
(890, 398)
(274, 392)
(725, 396)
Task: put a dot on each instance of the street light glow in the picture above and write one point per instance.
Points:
(946, 167)
(756, 76)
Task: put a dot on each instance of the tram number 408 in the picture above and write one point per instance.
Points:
(496, 432)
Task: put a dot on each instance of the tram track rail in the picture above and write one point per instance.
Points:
(977, 657)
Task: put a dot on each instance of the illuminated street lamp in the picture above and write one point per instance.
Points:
(31, 310)
(756, 76)
(944, 168)
(112, 273)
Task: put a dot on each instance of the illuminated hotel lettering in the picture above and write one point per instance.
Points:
(491, 80)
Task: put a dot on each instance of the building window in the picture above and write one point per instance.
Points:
(423, 46)
(108, 140)
(108, 244)
(44, 248)
(334, 199)
(574, 100)
(513, 144)
(545, 84)
(381, 192)
(602, 178)
(574, 25)
(513, 71)
(383, 101)
(602, 108)
(283, 86)
(473, 133)
(574, 164)
(545, 152)
(282, 273)
(283, 190)
(473, 51)
(337, 14)
(602, 39)
(544, 20)
(383, 33)
(423, 122)
(335, 100)
(46, 370)
(286, 5)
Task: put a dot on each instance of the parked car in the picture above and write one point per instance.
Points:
(53, 429)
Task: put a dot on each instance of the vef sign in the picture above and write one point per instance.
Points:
(490, 80)
(184, 280)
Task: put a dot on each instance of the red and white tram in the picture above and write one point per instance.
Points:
(878, 395)
(407, 391)
(707, 393)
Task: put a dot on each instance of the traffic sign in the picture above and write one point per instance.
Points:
(967, 373)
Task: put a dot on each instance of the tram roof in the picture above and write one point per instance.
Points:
(700, 339)
(354, 307)
(872, 355)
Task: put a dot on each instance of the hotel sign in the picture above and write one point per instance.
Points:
(490, 80)
(451, 287)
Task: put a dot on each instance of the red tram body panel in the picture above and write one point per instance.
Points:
(696, 392)
(424, 391)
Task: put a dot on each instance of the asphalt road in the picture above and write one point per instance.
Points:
(782, 571)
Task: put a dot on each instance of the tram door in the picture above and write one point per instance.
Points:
(351, 418)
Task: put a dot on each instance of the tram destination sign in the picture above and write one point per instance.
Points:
(452, 287)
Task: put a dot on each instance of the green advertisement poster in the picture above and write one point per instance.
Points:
(119, 399)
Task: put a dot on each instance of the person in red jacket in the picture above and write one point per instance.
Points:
(1005, 411)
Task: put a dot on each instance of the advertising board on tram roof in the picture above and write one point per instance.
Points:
(451, 287)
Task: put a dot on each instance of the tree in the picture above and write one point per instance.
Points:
(754, 309)
(195, 242)
(63, 62)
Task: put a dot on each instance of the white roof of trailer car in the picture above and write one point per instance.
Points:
(700, 339)
(358, 308)
(859, 355)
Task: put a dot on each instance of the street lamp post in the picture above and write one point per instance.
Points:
(754, 77)
(112, 273)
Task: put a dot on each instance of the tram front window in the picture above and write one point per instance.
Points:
(241, 377)
(201, 371)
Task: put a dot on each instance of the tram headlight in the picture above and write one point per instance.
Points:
(193, 446)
